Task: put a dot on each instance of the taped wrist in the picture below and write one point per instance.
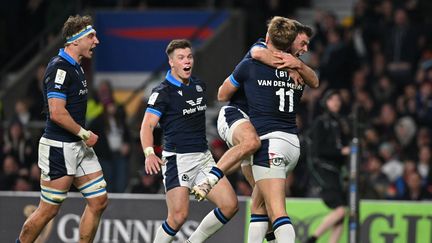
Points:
(83, 134)
(148, 151)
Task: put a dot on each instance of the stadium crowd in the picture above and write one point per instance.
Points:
(380, 61)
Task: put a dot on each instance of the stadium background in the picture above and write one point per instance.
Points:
(377, 53)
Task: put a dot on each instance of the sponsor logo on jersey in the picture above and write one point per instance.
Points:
(192, 103)
(180, 92)
(281, 74)
(60, 76)
(196, 106)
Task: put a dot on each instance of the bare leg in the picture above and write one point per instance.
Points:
(227, 205)
(273, 192)
(93, 211)
(246, 142)
(336, 233)
(45, 211)
(330, 220)
(177, 200)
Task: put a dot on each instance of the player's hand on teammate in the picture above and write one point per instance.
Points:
(286, 61)
(153, 164)
(92, 140)
(296, 77)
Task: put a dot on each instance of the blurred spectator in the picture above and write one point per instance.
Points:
(16, 142)
(147, 183)
(34, 177)
(9, 173)
(22, 184)
(393, 167)
(113, 146)
(22, 112)
(406, 103)
(34, 96)
(374, 183)
(405, 131)
(401, 48)
(424, 104)
(384, 90)
(424, 161)
(415, 190)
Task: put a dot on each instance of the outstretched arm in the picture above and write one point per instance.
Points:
(227, 89)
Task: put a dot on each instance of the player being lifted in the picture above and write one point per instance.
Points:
(234, 125)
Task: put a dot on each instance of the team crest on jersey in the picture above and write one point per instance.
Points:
(60, 76)
(84, 82)
(153, 98)
(199, 88)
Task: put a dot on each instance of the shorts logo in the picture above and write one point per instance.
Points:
(277, 161)
(185, 177)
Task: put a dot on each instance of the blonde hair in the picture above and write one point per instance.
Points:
(281, 32)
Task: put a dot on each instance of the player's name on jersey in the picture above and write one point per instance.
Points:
(194, 109)
(279, 83)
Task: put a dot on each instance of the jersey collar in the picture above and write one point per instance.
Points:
(66, 56)
(173, 80)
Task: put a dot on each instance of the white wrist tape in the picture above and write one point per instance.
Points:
(148, 151)
(83, 134)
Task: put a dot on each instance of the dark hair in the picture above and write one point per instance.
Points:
(329, 93)
(302, 28)
(75, 24)
(177, 44)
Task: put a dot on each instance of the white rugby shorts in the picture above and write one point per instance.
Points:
(278, 155)
(186, 169)
(58, 159)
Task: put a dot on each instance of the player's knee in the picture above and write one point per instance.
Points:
(99, 204)
(178, 218)
(229, 207)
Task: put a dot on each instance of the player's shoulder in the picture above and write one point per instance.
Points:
(161, 87)
(198, 82)
(59, 63)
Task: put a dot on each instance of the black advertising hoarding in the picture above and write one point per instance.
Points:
(129, 218)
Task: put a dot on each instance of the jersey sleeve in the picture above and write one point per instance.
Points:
(57, 83)
(240, 73)
(259, 44)
(157, 102)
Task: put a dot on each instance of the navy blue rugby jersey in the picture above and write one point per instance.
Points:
(181, 109)
(239, 98)
(64, 79)
(272, 96)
